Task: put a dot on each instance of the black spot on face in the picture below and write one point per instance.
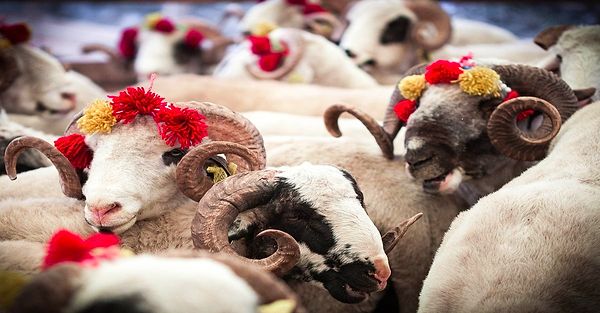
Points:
(395, 31)
(173, 156)
(126, 304)
(185, 54)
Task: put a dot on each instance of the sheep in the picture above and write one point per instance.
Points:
(378, 38)
(243, 96)
(161, 46)
(564, 42)
(291, 55)
(37, 92)
(551, 225)
(303, 14)
(180, 281)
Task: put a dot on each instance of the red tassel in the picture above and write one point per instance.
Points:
(296, 2)
(259, 45)
(15, 33)
(133, 101)
(442, 72)
(185, 126)
(271, 61)
(523, 114)
(73, 147)
(404, 108)
(164, 25)
(66, 246)
(193, 38)
(311, 8)
(127, 46)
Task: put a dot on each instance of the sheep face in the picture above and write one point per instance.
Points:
(575, 57)
(42, 87)
(164, 54)
(446, 138)
(378, 36)
(131, 177)
(276, 12)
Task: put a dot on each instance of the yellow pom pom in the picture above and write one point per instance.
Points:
(97, 118)
(263, 28)
(279, 306)
(152, 19)
(412, 86)
(480, 81)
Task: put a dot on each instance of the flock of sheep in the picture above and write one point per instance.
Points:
(468, 196)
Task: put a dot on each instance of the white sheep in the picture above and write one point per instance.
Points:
(388, 37)
(305, 58)
(539, 231)
(176, 281)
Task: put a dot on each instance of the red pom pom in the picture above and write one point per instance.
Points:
(133, 101)
(126, 45)
(271, 61)
(525, 114)
(310, 8)
(73, 147)
(296, 2)
(404, 108)
(442, 72)
(510, 95)
(259, 45)
(15, 33)
(193, 38)
(66, 246)
(164, 25)
(185, 126)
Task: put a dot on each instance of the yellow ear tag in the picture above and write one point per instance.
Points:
(263, 28)
(279, 306)
(152, 19)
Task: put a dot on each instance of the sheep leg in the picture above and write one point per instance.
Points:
(21, 256)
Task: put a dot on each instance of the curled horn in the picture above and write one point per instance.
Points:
(220, 206)
(193, 181)
(10, 70)
(114, 55)
(294, 41)
(549, 36)
(384, 141)
(69, 180)
(226, 125)
(268, 287)
(392, 237)
(542, 91)
(314, 22)
(430, 12)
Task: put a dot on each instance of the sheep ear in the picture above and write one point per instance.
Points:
(50, 291)
(549, 36)
(396, 30)
(584, 96)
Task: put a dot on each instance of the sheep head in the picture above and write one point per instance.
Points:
(32, 81)
(321, 207)
(299, 14)
(142, 165)
(390, 35)
(207, 282)
(455, 129)
(573, 48)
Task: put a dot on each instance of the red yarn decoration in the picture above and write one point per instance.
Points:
(15, 33)
(65, 246)
(404, 108)
(259, 45)
(193, 38)
(523, 114)
(311, 8)
(296, 2)
(442, 72)
(133, 101)
(271, 61)
(268, 60)
(73, 147)
(126, 45)
(164, 25)
(185, 126)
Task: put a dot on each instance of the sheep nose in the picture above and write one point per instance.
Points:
(100, 213)
(382, 270)
(68, 96)
(416, 159)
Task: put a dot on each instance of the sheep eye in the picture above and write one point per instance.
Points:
(173, 156)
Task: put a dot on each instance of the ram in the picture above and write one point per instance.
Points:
(547, 217)
(386, 38)
(181, 281)
(294, 56)
(35, 89)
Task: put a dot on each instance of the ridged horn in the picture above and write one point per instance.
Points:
(549, 36)
(190, 174)
(295, 43)
(220, 206)
(392, 237)
(429, 12)
(69, 181)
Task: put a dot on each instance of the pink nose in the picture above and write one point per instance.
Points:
(382, 270)
(101, 213)
(71, 97)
